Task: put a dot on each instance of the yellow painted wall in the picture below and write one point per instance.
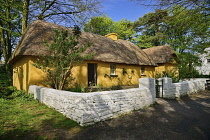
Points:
(103, 74)
(37, 76)
(167, 67)
(21, 73)
(25, 74)
(149, 72)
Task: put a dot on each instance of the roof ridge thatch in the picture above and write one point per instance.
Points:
(161, 54)
(106, 49)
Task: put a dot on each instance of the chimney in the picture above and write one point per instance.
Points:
(112, 36)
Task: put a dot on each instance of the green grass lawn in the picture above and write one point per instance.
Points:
(23, 117)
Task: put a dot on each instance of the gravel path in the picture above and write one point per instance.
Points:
(184, 119)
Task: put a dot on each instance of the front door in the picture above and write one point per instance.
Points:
(92, 74)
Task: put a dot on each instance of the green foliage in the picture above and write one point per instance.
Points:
(99, 25)
(185, 30)
(124, 71)
(124, 29)
(5, 82)
(171, 74)
(10, 90)
(15, 17)
(117, 87)
(18, 93)
(80, 88)
(9, 26)
(64, 52)
(202, 5)
(77, 88)
(187, 65)
(104, 25)
(150, 27)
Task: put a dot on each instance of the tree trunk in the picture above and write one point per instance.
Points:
(2, 41)
(6, 37)
(25, 15)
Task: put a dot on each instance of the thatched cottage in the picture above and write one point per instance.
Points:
(165, 57)
(115, 62)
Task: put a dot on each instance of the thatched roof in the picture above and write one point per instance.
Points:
(161, 54)
(106, 50)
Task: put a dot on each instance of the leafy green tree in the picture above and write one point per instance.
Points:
(104, 25)
(185, 30)
(9, 25)
(150, 29)
(124, 29)
(99, 25)
(202, 5)
(63, 53)
(15, 17)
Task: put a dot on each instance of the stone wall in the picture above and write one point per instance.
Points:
(88, 108)
(171, 90)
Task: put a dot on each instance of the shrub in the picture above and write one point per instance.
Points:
(18, 93)
(7, 91)
(117, 87)
(5, 82)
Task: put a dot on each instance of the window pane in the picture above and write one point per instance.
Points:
(142, 70)
(112, 69)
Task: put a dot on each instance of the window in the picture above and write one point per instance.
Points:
(112, 69)
(142, 71)
(208, 60)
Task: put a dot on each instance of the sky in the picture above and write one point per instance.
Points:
(120, 9)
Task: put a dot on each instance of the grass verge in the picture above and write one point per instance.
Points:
(25, 118)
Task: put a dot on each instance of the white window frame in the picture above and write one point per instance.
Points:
(112, 69)
(142, 71)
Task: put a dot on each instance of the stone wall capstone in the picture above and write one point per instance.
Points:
(89, 108)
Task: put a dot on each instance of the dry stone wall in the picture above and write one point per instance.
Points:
(89, 108)
(176, 90)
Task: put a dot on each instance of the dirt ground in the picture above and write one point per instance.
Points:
(185, 119)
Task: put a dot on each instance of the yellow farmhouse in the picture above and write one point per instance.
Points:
(116, 61)
(166, 59)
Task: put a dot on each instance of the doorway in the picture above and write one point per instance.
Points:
(92, 74)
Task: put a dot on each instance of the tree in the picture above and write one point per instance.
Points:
(202, 5)
(63, 53)
(69, 12)
(99, 25)
(124, 29)
(188, 30)
(185, 30)
(9, 27)
(15, 17)
(150, 29)
(104, 25)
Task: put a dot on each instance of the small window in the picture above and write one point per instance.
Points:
(208, 60)
(143, 71)
(112, 69)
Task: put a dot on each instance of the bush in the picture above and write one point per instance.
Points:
(77, 88)
(117, 87)
(5, 82)
(7, 91)
(18, 93)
